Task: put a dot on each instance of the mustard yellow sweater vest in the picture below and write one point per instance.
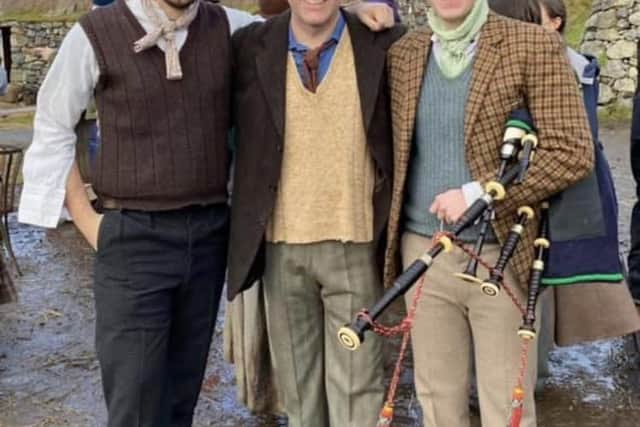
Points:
(327, 178)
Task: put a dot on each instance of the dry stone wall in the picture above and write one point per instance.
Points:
(611, 35)
(33, 46)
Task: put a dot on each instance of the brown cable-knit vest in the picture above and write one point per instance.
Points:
(163, 143)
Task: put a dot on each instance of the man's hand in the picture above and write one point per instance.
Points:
(84, 216)
(449, 206)
(90, 228)
(376, 16)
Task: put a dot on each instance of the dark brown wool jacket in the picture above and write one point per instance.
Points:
(259, 108)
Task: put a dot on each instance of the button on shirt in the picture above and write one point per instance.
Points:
(324, 60)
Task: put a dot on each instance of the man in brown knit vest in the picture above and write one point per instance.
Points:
(161, 74)
(311, 198)
(161, 177)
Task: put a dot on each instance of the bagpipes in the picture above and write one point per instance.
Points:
(516, 152)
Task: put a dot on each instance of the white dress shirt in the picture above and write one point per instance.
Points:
(63, 96)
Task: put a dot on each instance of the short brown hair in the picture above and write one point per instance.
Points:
(522, 10)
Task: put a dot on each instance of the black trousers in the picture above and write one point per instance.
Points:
(158, 281)
(634, 253)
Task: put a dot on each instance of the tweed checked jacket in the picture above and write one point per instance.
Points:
(515, 65)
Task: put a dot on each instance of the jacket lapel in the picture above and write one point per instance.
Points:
(271, 65)
(369, 62)
(487, 58)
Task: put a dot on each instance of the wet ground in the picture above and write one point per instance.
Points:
(49, 375)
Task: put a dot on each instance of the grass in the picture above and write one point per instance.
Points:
(579, 12)
(250, 6)
(14, 122)
(614, 114)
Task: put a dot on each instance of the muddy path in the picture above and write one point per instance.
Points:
(49, 375)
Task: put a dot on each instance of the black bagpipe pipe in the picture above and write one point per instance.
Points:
(517, 127)
(527, 330)
(491, 286)
(351, 336)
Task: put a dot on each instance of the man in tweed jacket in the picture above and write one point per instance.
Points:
(452, 89)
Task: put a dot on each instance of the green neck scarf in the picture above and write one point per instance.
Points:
(452, 58)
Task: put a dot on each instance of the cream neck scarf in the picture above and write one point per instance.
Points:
(453, 59)
(166, 29)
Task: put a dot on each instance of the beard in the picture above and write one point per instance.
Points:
(179, 4)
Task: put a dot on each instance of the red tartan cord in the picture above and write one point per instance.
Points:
(517, 400)
(406, 323)
(386, 414)
(490, 269)
(393, 387)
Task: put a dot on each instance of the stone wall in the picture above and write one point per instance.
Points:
(611, 36)
(33, 46)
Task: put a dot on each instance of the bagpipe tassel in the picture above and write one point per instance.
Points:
(386, 416)
(517, 402)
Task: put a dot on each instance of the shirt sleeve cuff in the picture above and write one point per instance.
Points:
(472, 191)
(40, 206)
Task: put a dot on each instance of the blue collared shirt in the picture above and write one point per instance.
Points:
(324, 61)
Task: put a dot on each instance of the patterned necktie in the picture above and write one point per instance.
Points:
(312, 62)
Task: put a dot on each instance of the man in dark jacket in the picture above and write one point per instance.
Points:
(311, 199)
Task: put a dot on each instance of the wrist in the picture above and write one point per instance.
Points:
(84, 219)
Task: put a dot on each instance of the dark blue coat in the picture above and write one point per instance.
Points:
(584, 218)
